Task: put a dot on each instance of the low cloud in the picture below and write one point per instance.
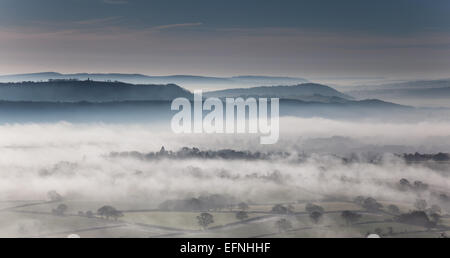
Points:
(74, 160)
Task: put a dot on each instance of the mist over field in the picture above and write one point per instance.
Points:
(74, 160)
(56, 174)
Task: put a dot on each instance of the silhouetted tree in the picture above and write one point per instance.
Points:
(350, 217)
(283, 225)
(315, 216)
(371, 204)
(418, 218)
(205, 219)
(312, 208)
(109, 212)
(60, 210)
(241, 215)
(280, 209)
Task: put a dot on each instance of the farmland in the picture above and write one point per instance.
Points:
(36, 219)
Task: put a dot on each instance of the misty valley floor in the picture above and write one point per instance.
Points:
(337, 165)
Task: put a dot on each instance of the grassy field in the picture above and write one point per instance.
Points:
(75, 206)
(119, 231)
(34, 219)
(11, 204)
(179, 220)
(18, 224)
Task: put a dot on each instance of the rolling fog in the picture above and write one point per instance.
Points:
(74, 160)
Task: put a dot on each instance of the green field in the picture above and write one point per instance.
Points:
(179, 220)
(35, 219)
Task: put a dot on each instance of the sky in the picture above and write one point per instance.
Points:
(303, 38)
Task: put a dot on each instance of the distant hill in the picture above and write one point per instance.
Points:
(92, 91)
(73, 100)
(268, 80)
(306, 92)
(183, 80)
(421, 84)
(403, 93)
(426, 93)
(149, 111)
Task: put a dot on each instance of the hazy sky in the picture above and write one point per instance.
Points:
(401, 38)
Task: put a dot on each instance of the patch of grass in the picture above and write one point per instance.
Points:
(246, 230)
(117, 232)
(178, 220)
(16, 224)
(73, 206)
